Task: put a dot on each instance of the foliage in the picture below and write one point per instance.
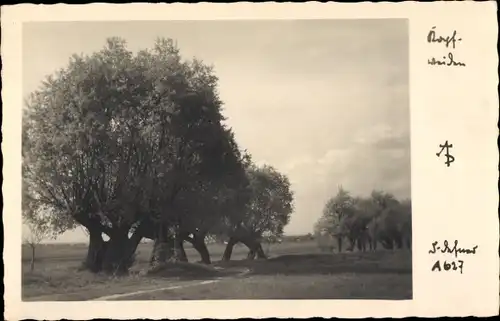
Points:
(271, 202)
(117, 139)
(79, 141)
(378, 218)
(335, 211)
(38, 231)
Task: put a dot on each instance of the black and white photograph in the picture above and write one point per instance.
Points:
(216, 160)
(207, 161)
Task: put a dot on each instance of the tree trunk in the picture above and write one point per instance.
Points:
(339, 243)
(162, 251)
(260, 251)
(158, 254)
(255, 248)
(32, 265)
(352, 243)
(251, 247)
(128, 258)
(180, 253)
(163, 248)
(116, 254)
(399, 241)
(153, 252)
(372, 238)
(201, 247)
(95, 251)
(251, 254)
(363, 240)
(120, 250)
(371, 243)
(229, 249)
(374, 241)
(387, 243)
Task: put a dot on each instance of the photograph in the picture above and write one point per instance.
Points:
(216, 160)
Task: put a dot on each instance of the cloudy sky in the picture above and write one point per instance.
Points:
(324, 101)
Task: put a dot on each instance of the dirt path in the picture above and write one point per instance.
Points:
(174, 287)
(243, 273)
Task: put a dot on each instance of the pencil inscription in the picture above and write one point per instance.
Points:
(454, 250)
(450, 42)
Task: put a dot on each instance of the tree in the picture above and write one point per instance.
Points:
(38, 231)
(266, 210)
(79, 148)
(383, 199)
(406, 222)
(269, 239)
(354, 225)
(379, 218)
(323, 233)
(384, 227)
(201, 151)
(335, 215)
(397, 225)
(112, 140)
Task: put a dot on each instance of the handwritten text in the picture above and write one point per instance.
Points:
(455, 250)
(449, 42)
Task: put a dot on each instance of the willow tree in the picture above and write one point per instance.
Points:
(336, 214)
(194, 152)
(391, 225)
(379, 218)
(110, 141)
(79, 149)
(267, 210)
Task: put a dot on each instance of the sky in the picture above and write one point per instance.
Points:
(325, 102)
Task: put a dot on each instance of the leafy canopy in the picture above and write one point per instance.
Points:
(115, 137)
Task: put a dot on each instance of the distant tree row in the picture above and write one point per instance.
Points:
(134, 146)
(380, 219)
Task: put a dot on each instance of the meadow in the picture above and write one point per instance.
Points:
(294, 270)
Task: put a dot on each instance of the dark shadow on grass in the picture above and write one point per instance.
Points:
(192, 271)
(383, 262)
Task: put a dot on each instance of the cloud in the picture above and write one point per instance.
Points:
(378, 158)
(375, 134)
(383, 136)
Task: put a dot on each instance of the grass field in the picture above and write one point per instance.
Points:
(294, 271)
